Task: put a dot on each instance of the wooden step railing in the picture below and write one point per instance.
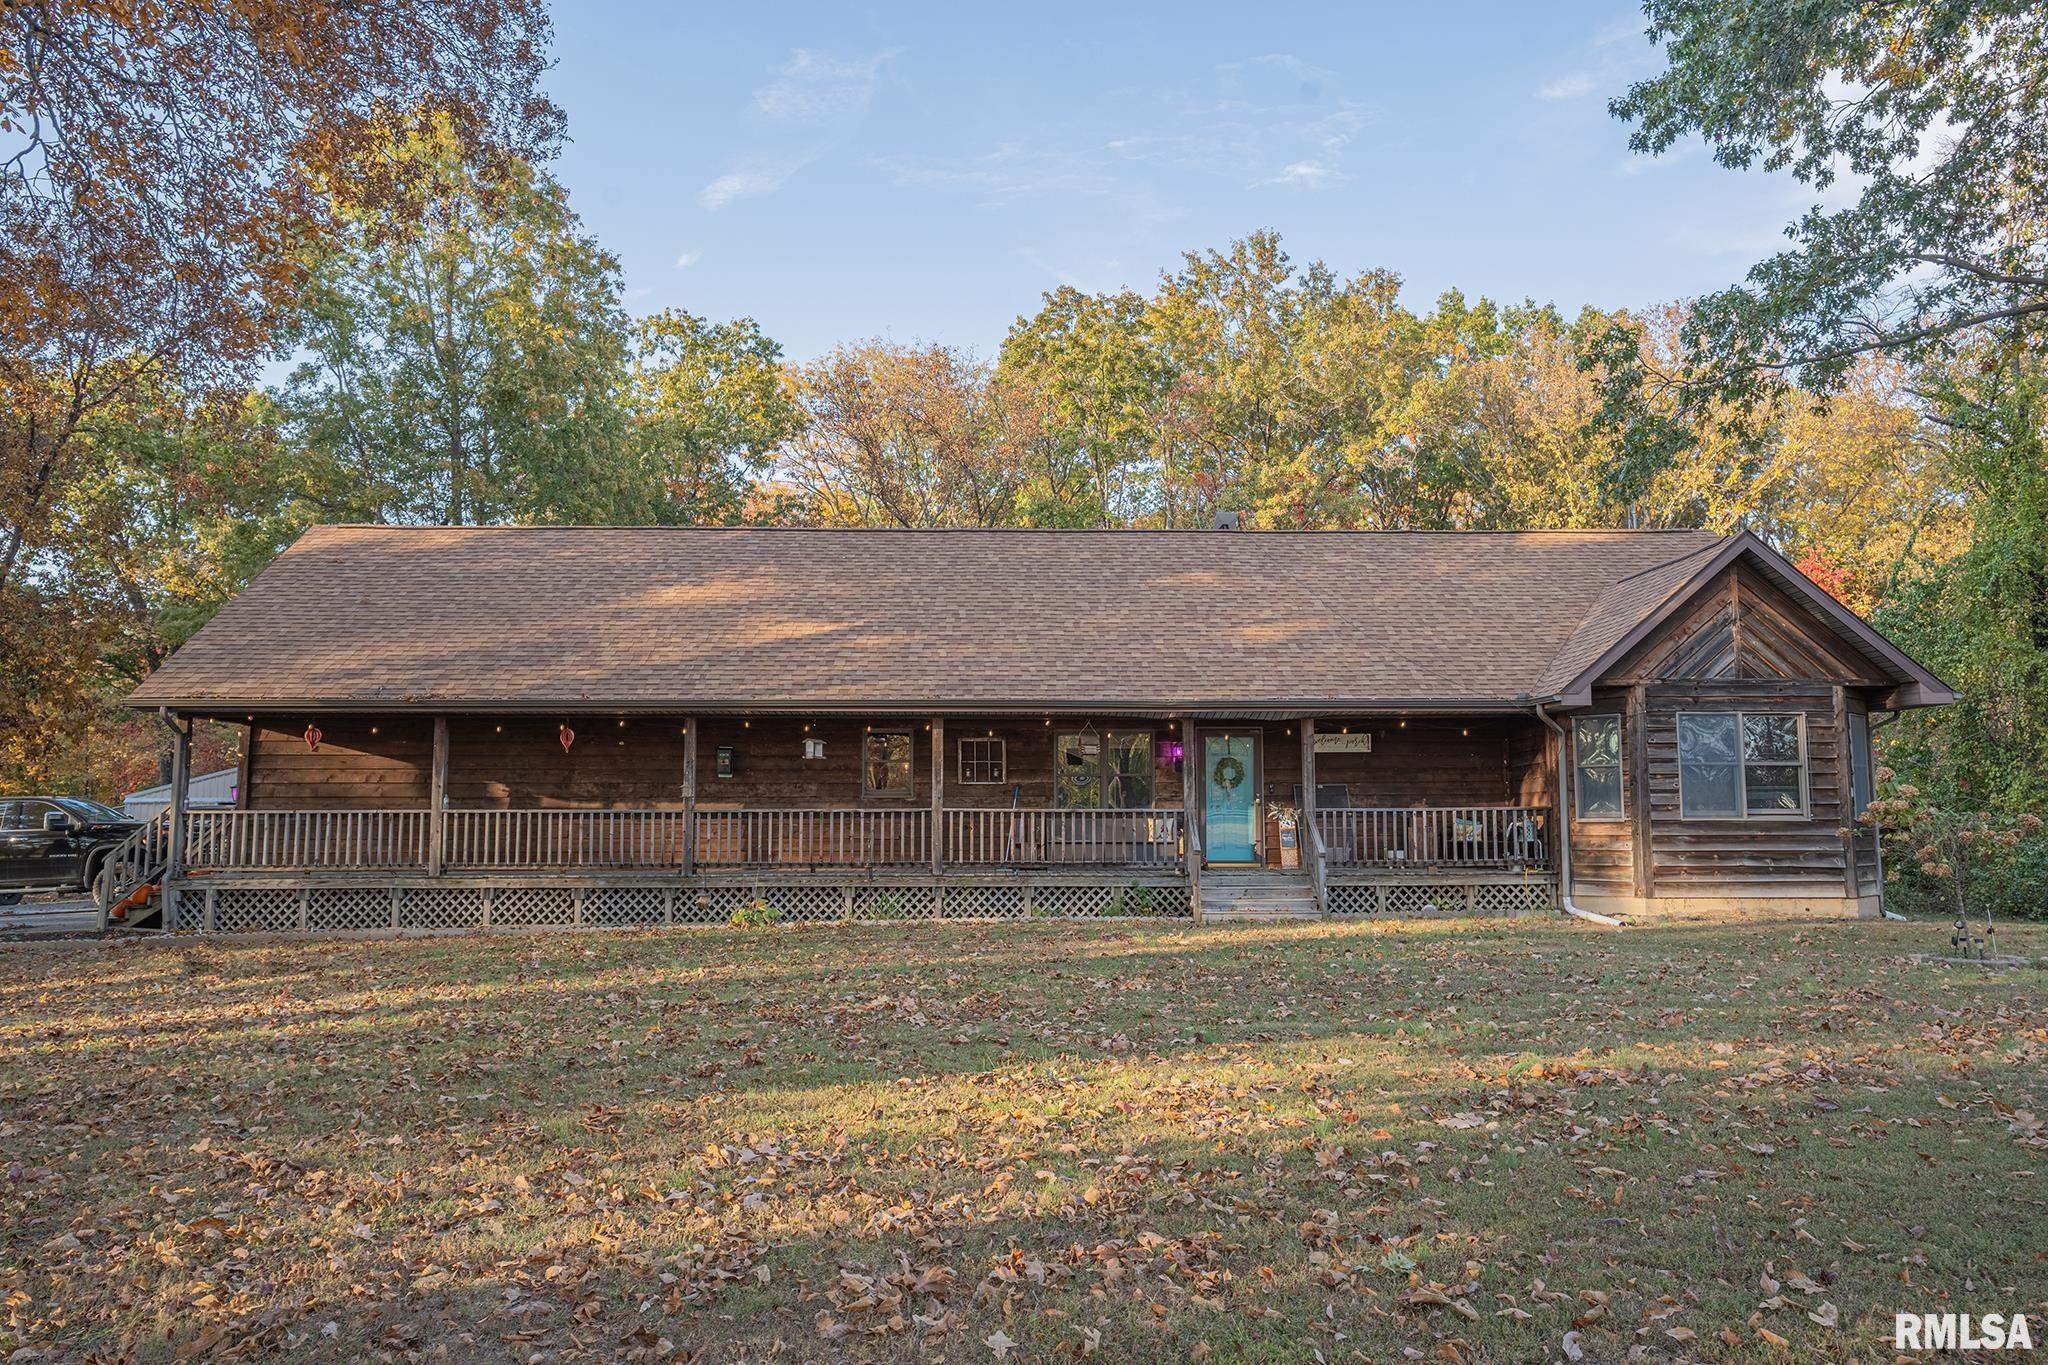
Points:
(1435, 836)
(136, 862)
(1006, 837)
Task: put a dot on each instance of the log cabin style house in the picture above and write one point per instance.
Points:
(457, 727)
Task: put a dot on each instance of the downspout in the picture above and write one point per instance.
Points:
(1877, 830)
(1564, 834)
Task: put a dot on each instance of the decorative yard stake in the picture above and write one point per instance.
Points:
(312, 737)
(567, 737)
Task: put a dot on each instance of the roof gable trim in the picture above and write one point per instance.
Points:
(1917, 686)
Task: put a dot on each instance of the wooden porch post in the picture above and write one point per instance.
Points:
(174, 856)
(689, 849)
(1636, 723)
(437, 801)
(1845, 782)
(1308, 778)
(1195, 839)
(938, 794)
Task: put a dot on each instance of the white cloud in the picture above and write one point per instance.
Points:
(814, 103)
(817, 87)
(746, 184)
(1307, 174)
(1577, 85)
(688, 259)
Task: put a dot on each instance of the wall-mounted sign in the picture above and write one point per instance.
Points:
(1344, 744)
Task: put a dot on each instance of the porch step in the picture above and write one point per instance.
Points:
(1257, 895)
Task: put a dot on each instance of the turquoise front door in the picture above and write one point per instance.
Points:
(1230, 797)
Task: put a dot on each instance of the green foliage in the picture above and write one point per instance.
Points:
(756, 914)
(887, 906)
(1980, 621)
(467, 365)
(1936, 111)
(710, 405)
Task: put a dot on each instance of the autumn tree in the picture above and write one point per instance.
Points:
(901, 436)
(157, 165)
(155, 161)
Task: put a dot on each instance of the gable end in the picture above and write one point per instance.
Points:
(1740, 625)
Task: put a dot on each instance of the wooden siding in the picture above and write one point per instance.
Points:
(1756, 856)
(518, 762)
(1603, 851)
(352, 768)
(1741, 625)
(1742, 644)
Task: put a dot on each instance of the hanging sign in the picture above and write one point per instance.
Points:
(1344, 744)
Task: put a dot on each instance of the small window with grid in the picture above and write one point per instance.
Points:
(981, 760)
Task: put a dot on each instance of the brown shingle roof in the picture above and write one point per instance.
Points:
(602, 617)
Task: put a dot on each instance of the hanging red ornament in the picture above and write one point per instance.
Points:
(312, 736)
(568, 737)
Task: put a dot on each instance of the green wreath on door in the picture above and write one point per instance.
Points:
(1228, 774)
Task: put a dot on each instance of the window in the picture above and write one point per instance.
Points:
(982, 760)
(885, 764)
(1108, 771)
(1862, 781)
(20, 815)
(1733, 764)
(1596, 767)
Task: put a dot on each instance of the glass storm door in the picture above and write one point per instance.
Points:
(1230, 791)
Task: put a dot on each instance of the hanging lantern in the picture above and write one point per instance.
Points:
(567, 736)
(312, 736)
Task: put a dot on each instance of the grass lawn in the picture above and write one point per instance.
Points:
(1426, 1140)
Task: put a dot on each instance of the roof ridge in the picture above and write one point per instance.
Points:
(1573, 531)
(1716, 544)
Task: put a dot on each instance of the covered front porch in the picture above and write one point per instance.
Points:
(414, 821)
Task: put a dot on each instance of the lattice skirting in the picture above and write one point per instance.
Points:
(1518, 897)
(381, 909)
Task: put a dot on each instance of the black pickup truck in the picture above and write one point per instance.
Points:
(55, 843)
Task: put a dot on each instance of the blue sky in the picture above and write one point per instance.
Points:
(923, 173)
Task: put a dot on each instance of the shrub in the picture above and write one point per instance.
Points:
(756, 914)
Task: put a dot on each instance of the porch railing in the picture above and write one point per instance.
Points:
(1355, 837)
(813, 838)
(1005, 837)
(218, 840)
(555, 837)
(1436, 836)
